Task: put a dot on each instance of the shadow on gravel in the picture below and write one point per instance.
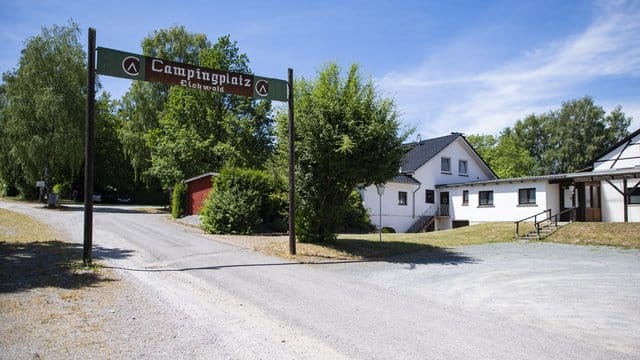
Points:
(426, 255)
(51, 263)
(400, 252)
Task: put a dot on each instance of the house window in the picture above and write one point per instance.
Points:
(634, 197)
(445, 165)
(429, 197)
(402, 198)
(462, 167)
(526, 196)
(465, 197)
(485, 198)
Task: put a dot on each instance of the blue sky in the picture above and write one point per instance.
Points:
(467, 66)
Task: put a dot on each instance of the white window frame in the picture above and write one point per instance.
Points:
(445, 160)
(466, 168)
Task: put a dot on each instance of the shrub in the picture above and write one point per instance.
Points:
(179, 200)
(356, 218)
(388, 230)
(63, 190)
(238, 202)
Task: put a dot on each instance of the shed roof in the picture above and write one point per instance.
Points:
(405, 179)
(212, 174)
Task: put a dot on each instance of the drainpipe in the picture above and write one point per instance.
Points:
(414, 199)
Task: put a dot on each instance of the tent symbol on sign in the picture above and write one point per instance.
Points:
(262, 87)
(131, 65)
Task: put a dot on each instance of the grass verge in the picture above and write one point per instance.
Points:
(589, 233)
(368, 246)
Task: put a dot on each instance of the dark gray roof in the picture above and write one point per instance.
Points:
(405, 179)
(423, 151)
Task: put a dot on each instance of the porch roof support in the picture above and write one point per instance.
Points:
(626, 193)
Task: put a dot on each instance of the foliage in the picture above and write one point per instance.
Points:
(142, 105)
(566, 140)
(201, 131)
(346, 136)
(179, 200)
(44, 115)
(237, 203)
(356, 217)
(560, 141)
(506, 158)
(62, 189)
(112, 170)
(388, 230)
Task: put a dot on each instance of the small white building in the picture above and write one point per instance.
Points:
(443, 183)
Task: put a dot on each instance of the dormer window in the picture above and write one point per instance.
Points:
(445, 165)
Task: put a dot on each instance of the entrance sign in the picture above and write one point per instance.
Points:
(138, 67)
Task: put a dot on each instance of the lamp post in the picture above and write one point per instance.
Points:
(380, 188)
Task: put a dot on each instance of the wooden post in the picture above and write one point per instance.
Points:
(292, 188)
(625, 193)
(89, 150)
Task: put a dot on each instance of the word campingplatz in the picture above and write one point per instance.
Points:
(195, 73)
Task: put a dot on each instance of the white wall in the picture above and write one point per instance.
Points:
(613, 202)
(431, 175)
(628, 159)
(399, 217)
(505, 201)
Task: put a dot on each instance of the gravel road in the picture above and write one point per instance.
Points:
(502, 301)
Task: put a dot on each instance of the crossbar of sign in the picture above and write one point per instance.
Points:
(139, 67)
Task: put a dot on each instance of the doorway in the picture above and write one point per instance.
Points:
(444, 203)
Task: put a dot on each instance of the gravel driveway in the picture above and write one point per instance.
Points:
(502, 301)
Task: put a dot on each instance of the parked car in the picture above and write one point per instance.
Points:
(124, 198)
(97, 197)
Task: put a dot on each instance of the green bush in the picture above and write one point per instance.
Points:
(388, 230)
(240, 200)
(355, 217)
(179, 200)
(63, 190)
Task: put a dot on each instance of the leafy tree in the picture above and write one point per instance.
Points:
(142, 105)
(505, 156)
(346, 135)
(44, 115)
(201, 131)
(112, 170)
(568, 139)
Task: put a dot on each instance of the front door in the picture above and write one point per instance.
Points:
(444, 203)
(593, 211)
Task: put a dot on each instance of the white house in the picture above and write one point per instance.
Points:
(443, 183)
(411, 198)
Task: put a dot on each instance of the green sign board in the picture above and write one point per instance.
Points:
(138, 67)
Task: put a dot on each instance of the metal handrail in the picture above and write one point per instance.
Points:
(535, 219)
(548, 218)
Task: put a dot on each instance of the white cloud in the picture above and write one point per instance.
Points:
(535, 82)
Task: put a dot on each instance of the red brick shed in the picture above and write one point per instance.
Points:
(197, 190)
